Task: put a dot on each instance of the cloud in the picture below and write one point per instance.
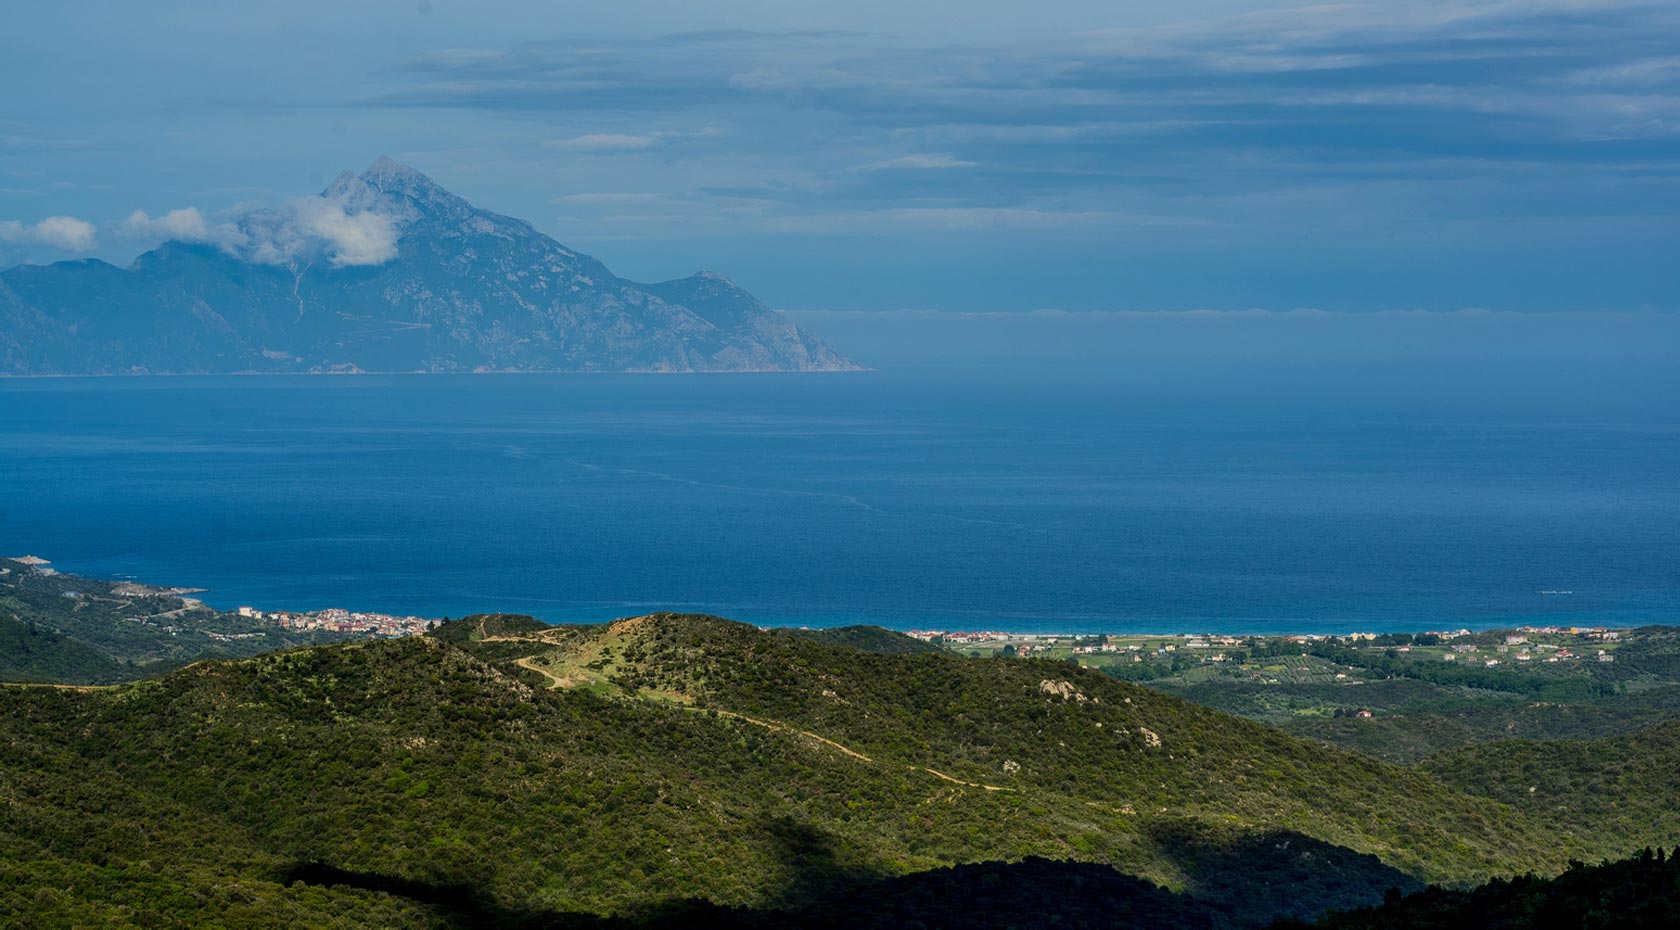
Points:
(627, 142)
(969, 219)
(317, 227)
(1235, 107)
(187, 224)
(184, 225)
(919, 160)
(64, 233)
(604, 142)
(366, 238)
(611, 197)
(301, 230)
(38, 143)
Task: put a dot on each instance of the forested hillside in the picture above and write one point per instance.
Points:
(501, 770)
(1637, 893)
(1617, 786)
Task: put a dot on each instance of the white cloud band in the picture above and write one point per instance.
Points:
(65, 233)
(186, 225)
(303, 229)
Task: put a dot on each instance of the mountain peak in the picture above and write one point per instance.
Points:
(407, 276)
(387, 167)
(393, 189)
(390, 176)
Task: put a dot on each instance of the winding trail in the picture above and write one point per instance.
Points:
(555, 681)
(776, 725)
(971, 784)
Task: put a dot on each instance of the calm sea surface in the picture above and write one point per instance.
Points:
(1280, 498)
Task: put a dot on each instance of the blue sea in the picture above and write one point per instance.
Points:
(1265, 497)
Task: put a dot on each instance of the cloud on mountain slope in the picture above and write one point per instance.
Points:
(361, 238)
(305, 229)
(185, 225)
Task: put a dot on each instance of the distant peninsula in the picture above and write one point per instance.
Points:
(69, 630)
(382, 272)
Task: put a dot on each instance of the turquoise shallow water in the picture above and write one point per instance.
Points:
(1265, 499)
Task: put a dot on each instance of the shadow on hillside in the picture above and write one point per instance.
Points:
(462, 902)
(1030, 893)
(1253, 878)
(815, 865)
(1241, 882)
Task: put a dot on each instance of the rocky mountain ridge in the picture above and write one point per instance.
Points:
(385, 271)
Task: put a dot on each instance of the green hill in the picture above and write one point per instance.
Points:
(1613, 790)
(1038, 726)
(625, 769)
(30, 652)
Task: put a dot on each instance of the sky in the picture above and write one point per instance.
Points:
(906, 156)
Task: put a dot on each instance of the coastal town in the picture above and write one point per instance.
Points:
(174, 612)
(1489, 648)
(339, 620)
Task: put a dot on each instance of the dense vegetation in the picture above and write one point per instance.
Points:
(867, 639)
(1049, 726)
(672, 769)
(705, 760)
(1641, 893)
(31, 652)
(1618, 786)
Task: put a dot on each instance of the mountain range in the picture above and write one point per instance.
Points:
(383, 271)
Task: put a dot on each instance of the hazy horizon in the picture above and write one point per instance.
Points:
(1219, 154)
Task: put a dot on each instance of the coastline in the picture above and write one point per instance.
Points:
(12, 376)
(1002, 628)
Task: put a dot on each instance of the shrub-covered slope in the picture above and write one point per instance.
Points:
(1620, 790)
(1049, 727)
(613, 770)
